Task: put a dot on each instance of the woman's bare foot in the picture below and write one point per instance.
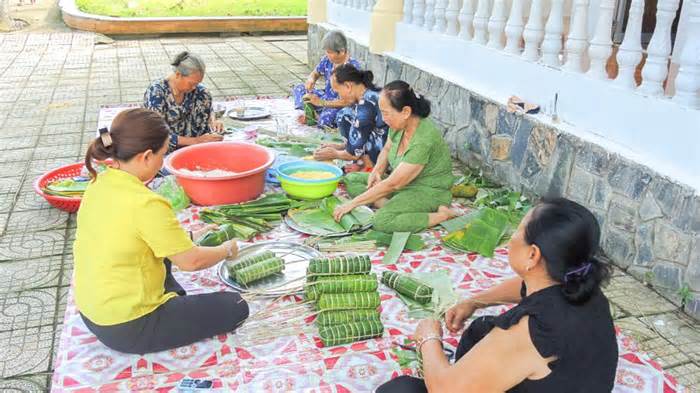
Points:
(444, 213)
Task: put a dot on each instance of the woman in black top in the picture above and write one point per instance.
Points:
(558, 338)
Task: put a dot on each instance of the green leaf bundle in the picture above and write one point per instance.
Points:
(348, 301)
(338, 317)
(350, 332)
(259, 270)
(408, 286)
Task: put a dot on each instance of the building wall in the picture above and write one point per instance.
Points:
(650, 224)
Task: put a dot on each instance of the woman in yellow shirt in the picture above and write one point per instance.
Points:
(127, 237)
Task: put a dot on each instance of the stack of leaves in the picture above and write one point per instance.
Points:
(482, 232)
(513, 204)
(255, 267)
(248, 219)
(368, 241)
(69, 188)
(346, 297)
(319, 220)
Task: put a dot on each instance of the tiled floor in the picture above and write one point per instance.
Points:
(52, 85)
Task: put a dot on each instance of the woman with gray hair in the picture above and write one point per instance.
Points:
(321, 106)
(184, 103)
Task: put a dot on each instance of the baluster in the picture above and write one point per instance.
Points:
(578, 37)
(440, 24)
(551, 46)
(408, 11)
(497, 23)
(515, 27)
(481, 20)
(451, 15)
(688, 79)
(466, 20)
(418, 12)
(656, 67)
(630, 52)
(370, 5)
(600, 48)
(534, 31)
(429, 14)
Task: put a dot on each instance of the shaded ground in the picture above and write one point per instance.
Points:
(53, 84)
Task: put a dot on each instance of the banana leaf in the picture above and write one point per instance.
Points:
(215, 238)
(67, 187)
(398, 242)
(316, 220)
(320, 220)
(482, 234)
(355, 183)
(291, 148)
(414, 242)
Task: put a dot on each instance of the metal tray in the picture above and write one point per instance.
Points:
(290, 223)
(292, 271)
(250, 113)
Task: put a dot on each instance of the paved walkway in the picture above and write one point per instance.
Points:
(51, 87)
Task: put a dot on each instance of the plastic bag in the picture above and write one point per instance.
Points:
(174, 193)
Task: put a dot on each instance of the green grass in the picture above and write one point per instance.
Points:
(157, 8)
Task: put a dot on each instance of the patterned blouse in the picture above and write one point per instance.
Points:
(363, 127)
(325, 68)
(190, 119)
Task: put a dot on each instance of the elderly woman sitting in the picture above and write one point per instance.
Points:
(326, 102)
(185, 103)
(417, 193)
(558, 338)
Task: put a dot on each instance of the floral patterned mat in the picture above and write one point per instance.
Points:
(255, 362)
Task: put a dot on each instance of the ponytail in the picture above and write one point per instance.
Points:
(568, 237)
(348, 73)
(401, 95)
(133, 131)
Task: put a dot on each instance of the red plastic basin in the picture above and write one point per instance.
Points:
(249, 161)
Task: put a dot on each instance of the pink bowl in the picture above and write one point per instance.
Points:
(249, 161)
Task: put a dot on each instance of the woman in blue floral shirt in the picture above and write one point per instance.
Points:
(360, 124)
(184, 103)
(326, 102)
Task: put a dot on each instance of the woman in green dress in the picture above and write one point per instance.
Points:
(416, 195)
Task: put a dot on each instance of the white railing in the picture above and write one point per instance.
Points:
(539, 37)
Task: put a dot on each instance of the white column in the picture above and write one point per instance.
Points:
(515, 26)
(418, 12)
(656, 67)
(688, 79)
(600, 48)
(466, 20)
(551, 46)
(429, 14)
(407, 11)
(497, 23)
(440, 25)
(630, 52)
(481, 20)
(578, 37)
(534, 31)
(451, 14)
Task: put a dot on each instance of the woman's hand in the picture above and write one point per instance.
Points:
(427, 327)
(197, 234)
(337, 146)
(209, 138)
(231, 247)
(313, 99)
(325, 154)
(342, 210)
(217, 126)
(458, 314)
(374, 179)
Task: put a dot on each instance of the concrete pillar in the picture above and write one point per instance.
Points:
(317, 11)
(382, 36)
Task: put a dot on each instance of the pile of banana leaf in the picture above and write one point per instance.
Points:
(246, 220)
(319, 220)
(482, 232)
(70, 188)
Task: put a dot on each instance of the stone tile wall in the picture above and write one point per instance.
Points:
(650, 224)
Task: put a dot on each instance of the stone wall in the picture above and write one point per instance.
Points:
(650, 224)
